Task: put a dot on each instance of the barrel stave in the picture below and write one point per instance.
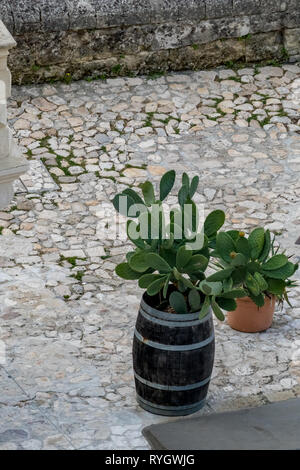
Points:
(172, 398)
(173, 358)
(173, 367)
(183, 333)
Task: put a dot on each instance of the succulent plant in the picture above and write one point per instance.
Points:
(170, 260)
(253, 264)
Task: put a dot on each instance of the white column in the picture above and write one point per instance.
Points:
(12, 164)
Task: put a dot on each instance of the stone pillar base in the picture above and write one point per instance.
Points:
(12, 164)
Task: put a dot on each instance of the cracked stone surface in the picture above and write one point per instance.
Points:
(66, 319)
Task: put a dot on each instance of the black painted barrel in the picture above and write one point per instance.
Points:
(173, 357)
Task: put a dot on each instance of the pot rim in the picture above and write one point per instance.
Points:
(172, 317)
(248, 299)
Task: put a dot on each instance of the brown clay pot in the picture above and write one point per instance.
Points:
(249, 318)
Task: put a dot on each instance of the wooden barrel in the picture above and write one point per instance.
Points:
(173, 358)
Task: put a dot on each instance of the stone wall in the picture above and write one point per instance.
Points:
(76, 38)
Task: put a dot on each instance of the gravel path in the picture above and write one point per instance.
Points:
(66, 319)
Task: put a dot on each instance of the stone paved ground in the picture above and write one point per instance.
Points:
(66, 319)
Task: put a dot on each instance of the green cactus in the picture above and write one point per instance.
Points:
(225, 246)
(284, 272)
(274, 263)
(183, 257)
(194, 300)
(178, 302)
(124, 270)
(217, 310)
(253, 264)
(170, 266)
(262, 283)
(213, 222)
(166, 184)
(256, 242)
(266, 248)
(243, 247)
(156, 286)
(138, 262)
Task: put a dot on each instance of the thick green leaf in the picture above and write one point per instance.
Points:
(205, 287)
(156, 286)
(227, 284)
(239, 260)
(283, 273)
(226, 304)
(166, 184)
(263, 285)
(217, 311)
(194, 300)
(166, 286)
(190, 218)
(242, 246)
(157, 262)
(146, 279)
(205, 308)
(253, 267)
(196, 263)
(267, 246)
(125, 272)
(234, 234)
(220, 275)
(213, 288)
(176, 273)
(154, 245)
(276, 286)
(169, 256)
(239, 274)
(252, 285)
(198, 276)
(138, 262)
(183, 195)
(214, 222)
(133, 234)
(185, 180)
(181, 286)
(148, 192)
(137, 199)
(234, 294)
(259, 300)
(194, 185)
(129, 255)
(183, 257)
(178, 302)
(256, 242)
(186, 281)
(225, 246)
(275, 262)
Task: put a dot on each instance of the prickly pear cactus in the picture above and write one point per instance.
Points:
(253, 264)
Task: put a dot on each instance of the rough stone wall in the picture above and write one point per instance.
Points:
(76, 38)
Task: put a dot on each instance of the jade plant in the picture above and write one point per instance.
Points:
(170, 260)
(253, 263)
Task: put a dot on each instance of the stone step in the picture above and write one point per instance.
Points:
(270, 427)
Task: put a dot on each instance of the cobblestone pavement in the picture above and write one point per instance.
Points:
(66, 319)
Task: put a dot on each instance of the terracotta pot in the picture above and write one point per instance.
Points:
(249, 318)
